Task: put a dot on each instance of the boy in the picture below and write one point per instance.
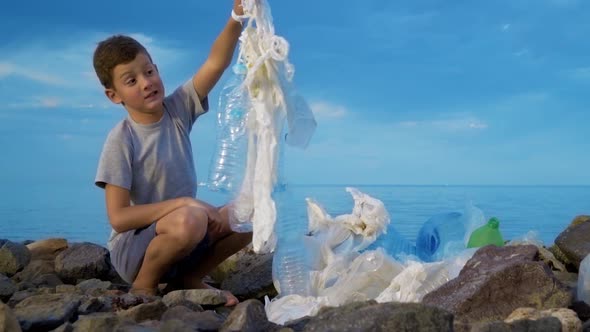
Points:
(161, 233)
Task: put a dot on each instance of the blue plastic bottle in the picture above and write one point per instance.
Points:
(228, 163)
(441, 236)
(394, 244)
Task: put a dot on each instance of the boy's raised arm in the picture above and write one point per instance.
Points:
(220, 55)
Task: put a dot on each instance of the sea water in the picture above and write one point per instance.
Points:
(78, 213)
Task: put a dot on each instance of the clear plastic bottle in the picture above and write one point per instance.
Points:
(228, 163)
(441, 236)
(291, 267)
(291, 263)
(583, 292)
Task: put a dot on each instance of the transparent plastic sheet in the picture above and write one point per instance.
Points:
(418, 279)
(267, 90)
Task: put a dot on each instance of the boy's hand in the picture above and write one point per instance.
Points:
(212, 212)
(238, 9)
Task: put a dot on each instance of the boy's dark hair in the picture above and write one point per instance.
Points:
(113, 51)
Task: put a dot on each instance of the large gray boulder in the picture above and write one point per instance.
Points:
(498, 280)
(7, 288)
(47, 311)
(248, 316)
(82, 261)
(574, 242)
(8, 321)
(13, 257)
(373, 316)
(249, 276)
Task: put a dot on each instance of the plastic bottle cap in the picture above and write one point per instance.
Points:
(494, 222)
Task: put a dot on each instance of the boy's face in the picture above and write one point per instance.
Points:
(138, 86)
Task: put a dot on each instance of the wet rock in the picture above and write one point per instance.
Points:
(250, 277)
(92, 305)
(94, 286)
(47, 249)
(205, 320)
(548, 324)
(47, 280)
(372, 316)
(34, 269)
(567, 278)
(13, 258)
(100, 322)
(46, 312)
(175, 325)
(498, 280)
(248, 316)
(568, 318)
(8, 321)
(146, 311)
(574, 242)
(67, 289)
(82, 261)
(580, 220)
(19, 296)
(582, 309)
(210, 297)
(7, 288)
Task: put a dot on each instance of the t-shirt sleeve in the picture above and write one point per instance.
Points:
(115, 163)
(184, 103)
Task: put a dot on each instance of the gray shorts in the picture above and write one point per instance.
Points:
(128, 252)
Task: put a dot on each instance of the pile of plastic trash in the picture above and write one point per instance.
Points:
(341, 261)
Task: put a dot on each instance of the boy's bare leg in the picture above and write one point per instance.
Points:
(178, 233)
(225, 243)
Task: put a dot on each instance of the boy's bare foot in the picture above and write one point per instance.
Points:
(144, 291)
(230, 299)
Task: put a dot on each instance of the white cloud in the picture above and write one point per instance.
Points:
(581, 73)
(521, 52)
(8, 69)
(453, 124)
(50, 102)
(323, 109)
(66, 70)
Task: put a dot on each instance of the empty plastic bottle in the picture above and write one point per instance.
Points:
(228, 163)
(441, 236)
(583, 293)
(486, 234)
(291, 260)
(394, 244)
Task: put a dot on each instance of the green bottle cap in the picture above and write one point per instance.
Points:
(494, 223)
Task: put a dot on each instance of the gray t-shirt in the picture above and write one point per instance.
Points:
(154, 161)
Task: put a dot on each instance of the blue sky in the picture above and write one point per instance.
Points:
(405, 92)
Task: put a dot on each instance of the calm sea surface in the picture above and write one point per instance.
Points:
(77, 213)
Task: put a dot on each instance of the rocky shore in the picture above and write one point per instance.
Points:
(54, 285)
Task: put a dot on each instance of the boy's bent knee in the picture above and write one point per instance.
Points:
(187, 225)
